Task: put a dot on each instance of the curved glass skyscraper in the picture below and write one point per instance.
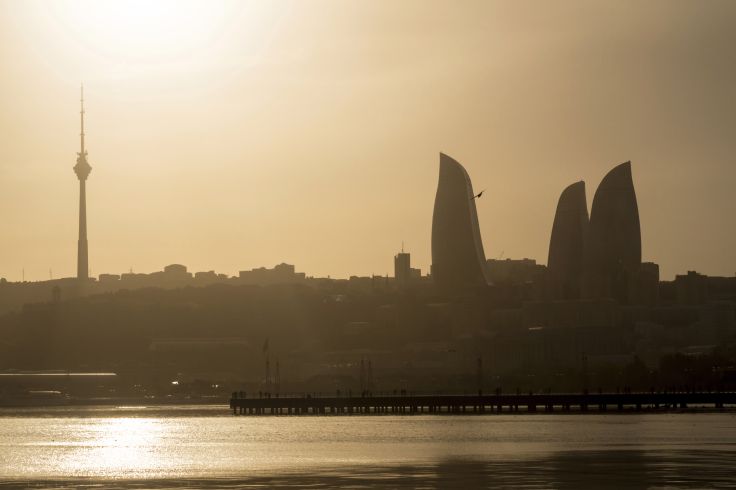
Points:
(458, 260)
(567, 244)
(613, 247)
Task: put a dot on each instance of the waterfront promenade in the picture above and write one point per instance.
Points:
(479, 403)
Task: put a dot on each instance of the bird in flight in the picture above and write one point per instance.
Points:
(478, 195)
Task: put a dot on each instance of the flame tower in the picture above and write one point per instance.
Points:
(82, 169)
(458, 260)
(613, 248)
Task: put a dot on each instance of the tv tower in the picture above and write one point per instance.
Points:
(82, 169)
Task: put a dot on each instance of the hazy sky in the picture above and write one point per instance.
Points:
(228, 136)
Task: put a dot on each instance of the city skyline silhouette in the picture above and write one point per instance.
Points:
(82, 169)
(469, 244)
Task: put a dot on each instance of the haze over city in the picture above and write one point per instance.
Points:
(367, 243)
(250, 133)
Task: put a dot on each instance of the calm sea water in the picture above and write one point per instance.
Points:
(140, 447)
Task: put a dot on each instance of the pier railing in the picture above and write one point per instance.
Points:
(496, 403)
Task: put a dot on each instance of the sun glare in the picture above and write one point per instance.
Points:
(97, 40)
(139, 30)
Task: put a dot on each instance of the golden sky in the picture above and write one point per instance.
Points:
(231, 135)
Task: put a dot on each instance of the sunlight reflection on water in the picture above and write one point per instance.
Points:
(200, 447)
(114, 447)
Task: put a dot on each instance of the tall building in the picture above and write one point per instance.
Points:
(566, 245)
(458, 260)
(402, 268)
(613, 248)
(82, 169)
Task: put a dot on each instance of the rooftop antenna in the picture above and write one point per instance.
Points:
(479, 374)
(268, 373)
(370, 375)
(402, 246)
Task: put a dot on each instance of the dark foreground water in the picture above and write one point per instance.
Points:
(140, 447)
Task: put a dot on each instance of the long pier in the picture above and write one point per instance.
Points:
(480, 404)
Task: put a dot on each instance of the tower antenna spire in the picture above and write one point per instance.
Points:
(81, 116)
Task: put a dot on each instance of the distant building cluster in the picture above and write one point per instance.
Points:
(596, 257)
(280, 274)
(594, 303)
(594, 314)
(595, 299)
(590, 257)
